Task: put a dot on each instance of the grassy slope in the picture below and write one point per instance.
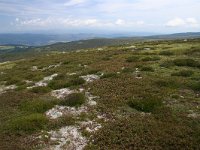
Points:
(165, 93)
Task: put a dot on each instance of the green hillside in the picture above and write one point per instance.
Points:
(112, 94)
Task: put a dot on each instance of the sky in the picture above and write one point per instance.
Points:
(102, 16)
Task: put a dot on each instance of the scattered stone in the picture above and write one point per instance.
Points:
(62, 93)
(43, 82)
(147, 48)
(91, 98)
(133, 46)
(34, 68)
(100, 49)
(71, 74)
(103, 117)
(2, 73)
(67, 138)
(90, 78)
(51, 66)
(28, 82)
(59, 111)
(90, 126)
(137, 74)
(193, 115)
(3, 88)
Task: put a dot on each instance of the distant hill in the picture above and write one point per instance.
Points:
(40, 39)
(177, 36)
(46, 39)
(14, 51)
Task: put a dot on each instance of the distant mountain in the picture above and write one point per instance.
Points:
(48, 39)
(18, 51)
(176, 36)
(40, 39)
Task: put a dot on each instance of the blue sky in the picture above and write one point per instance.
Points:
(157, 16)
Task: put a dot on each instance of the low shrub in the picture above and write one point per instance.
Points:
(27, 124)
(166, 53)
(58, 84)
(195, 86)
(60, 77)
(94, 71)
(107, 58)
(76, 81)
(66, 62)
(146, 104)
(37, 106)
(155, 58)
(167, 64)
(147, 68)
(183, 73)
(74, 100)
(167, 83)
(40, 90)
(108, 75)
(193, 51)
(13, 80)
(132, 59)
(127, 70)
(186, 62)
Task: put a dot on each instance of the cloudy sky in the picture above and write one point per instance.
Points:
(157, 16)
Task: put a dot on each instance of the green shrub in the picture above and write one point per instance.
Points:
(60, 77)
(166, 53)
(167, 83)
(94, 71)
(107, 58)
(74, 99)
(58, 84)
(108, 75)
(193, 51)
(195, 86)
(40, 90)
(127, 70)
(27, 124)
(183, 73)
(13, 80)
(155, 58)
(167, 64)
(76, 81)
(186, 62)
(37, 106)
(145, 105)
(132, 59)
(147, 68)
(66, 62)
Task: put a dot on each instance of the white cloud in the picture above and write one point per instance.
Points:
(120, 22)
(192, 22)
(179, 22)
(17, 19)
(52, 22)
(176, 22)
(73, 2)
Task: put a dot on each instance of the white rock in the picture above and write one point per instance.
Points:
(43, 82)
(90, 126)
(62, 93)
(71, 74)
(68, 138)
(59, 111)
(90, 78)
(34, 68)
(4, 88)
